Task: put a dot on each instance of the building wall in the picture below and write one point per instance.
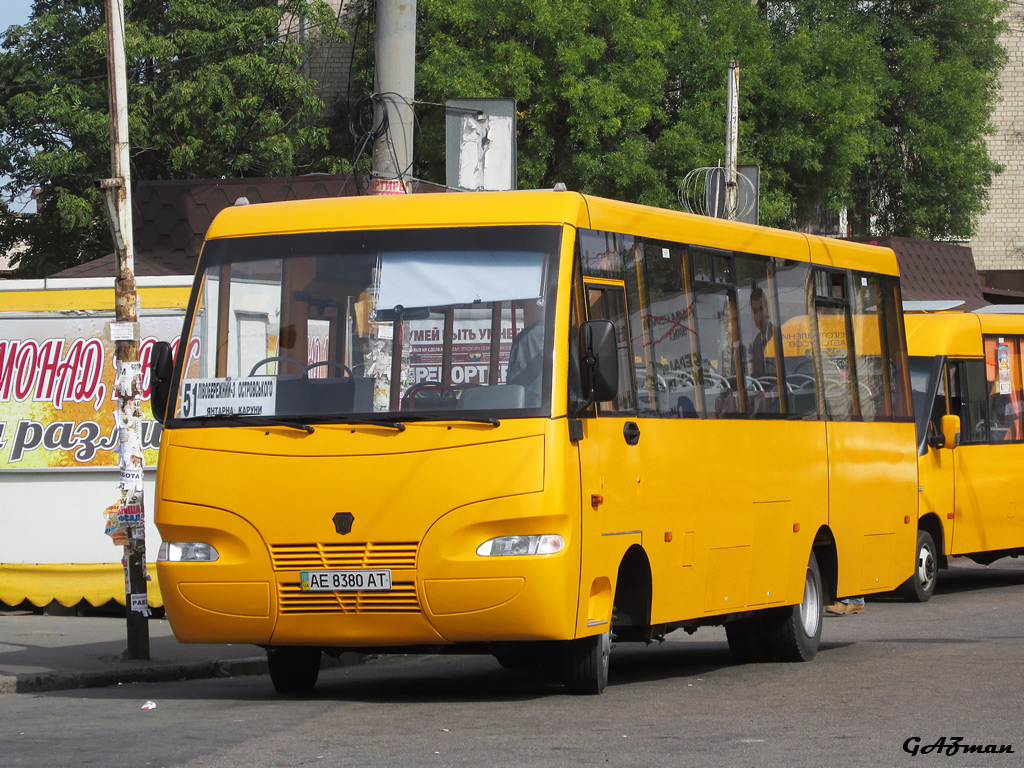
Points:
(330, 63)
(999, 244)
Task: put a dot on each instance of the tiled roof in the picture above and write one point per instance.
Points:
(170, 218)
(934, 271)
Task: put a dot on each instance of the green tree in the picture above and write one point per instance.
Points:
(588, 77)
(880, 107)
(930, 169)
(215, 88)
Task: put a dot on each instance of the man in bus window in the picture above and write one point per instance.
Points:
(526, 358)
(765, 332)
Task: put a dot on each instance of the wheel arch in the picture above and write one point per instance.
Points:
(633, 591)
(933, 525)
(824, 549)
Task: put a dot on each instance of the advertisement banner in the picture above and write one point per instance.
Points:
(57, 389)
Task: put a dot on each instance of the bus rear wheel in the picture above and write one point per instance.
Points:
(795, 631)
(920, 587)
(293, 669)
(585, 664)
(749, 642)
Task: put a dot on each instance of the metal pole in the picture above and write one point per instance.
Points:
(126, 520)
(394, 81)
(732, 120)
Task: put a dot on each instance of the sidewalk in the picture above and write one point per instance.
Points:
(50, 653)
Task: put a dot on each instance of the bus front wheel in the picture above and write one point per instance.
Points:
(795, 631)
(293, 669)
(920, 587)
(585, 664)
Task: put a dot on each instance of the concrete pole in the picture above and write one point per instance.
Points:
(126, 519)
(732, 120)
(394, 83)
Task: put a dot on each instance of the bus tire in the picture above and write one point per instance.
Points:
(748, 641)
(795, 631)
(293, 669)
(585, 664)
(526, 659)
(920, 587)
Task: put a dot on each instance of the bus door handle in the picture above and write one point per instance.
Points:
(631, 432)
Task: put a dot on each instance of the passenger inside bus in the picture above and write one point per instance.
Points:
(765, 333)
(526, 358)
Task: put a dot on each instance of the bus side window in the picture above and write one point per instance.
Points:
(663, 336)
(756, 307)
(609, 303)
(869, 349)
(831, 314)
(791, 281)
(1003, 378)
(975, 428)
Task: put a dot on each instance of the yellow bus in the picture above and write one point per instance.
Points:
(966, 378)
(528, 424)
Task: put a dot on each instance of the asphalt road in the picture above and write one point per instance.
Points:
(900, 676)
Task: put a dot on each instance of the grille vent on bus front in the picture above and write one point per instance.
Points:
(299, 557)
(401, 599)
(397, 556)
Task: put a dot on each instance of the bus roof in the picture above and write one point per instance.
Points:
(401, 212)
(542, 207)
(957, 334)
(954, 334)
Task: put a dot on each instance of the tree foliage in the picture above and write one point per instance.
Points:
(215, 88)
(878, 107)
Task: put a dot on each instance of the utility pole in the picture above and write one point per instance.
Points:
(126, 519)
(732, 130)
(394, 83)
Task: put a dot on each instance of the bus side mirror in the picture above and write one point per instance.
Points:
(161, 368)
(600, 357)
(951, 430)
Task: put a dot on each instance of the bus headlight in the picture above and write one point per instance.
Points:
(186, 552)
(545, 544)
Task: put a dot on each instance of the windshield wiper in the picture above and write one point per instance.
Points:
(471, 419)
(256, 420)
(365, 422)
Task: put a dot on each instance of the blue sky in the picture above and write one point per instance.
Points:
(14, 12)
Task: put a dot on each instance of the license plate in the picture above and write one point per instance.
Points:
(363, 580)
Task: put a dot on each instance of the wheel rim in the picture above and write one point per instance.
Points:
(810, 608)
(606, 652)
(926, 567)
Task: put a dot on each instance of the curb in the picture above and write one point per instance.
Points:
(42, 682)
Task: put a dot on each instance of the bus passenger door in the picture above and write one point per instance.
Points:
(936, 465)
(610, 471)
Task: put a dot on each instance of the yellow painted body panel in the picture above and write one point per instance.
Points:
(399, 211)
(859, 256)
(872, 495)
(729, 493)
(954, 334)
(978, 484)
(444, 491)
(989, 498)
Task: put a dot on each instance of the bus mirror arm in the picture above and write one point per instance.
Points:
(161, 368)
(600, 362)
(950, 431)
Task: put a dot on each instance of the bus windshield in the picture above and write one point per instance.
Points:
(401, 324)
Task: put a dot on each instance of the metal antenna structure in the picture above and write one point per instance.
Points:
(702, 191)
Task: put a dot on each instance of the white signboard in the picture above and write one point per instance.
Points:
(250, 396)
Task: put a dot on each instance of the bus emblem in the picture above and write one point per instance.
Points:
(343, 522)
